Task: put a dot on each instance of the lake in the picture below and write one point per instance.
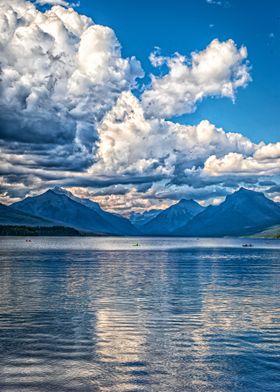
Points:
(172, 314)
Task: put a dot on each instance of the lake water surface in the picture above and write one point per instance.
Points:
(100, 314)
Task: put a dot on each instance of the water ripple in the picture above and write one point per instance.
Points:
(166, 318)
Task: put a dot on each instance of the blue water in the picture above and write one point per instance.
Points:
(99, 314)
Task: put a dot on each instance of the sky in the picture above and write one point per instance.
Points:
(139, 104)
(185, 26)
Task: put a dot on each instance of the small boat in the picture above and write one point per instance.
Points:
(247, 246)
(136, 244)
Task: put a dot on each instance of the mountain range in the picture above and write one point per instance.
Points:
(244, 212)
(63, 208)
(169, 220)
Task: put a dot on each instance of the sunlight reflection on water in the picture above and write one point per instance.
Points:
(96, 314)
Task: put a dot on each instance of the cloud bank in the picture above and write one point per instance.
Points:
(72, 113)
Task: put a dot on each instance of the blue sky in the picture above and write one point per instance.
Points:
(130, 103)
(184, 26)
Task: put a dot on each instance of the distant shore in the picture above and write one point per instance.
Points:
(21, 231)
(38, 231)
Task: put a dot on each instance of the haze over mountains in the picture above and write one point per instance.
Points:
(140, 219)
(243, 212)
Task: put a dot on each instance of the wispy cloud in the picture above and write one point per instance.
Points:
(58, 2)
(221, 3)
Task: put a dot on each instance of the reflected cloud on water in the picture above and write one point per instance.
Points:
(170, 320)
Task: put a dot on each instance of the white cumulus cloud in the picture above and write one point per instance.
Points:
(218, 70)
(60, 73)
(129, 143)
(264, 162)
(68, 115)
